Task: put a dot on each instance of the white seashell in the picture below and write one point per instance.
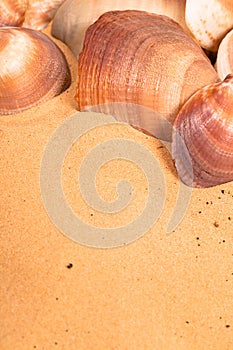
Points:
(224, 63)
(209, 21)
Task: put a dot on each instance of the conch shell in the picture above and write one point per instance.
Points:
(40, 13)
(224, 63)
(209, 21)
(32, 69)
(203, 136)
(12, 12)
(140, 59)
(75, 16)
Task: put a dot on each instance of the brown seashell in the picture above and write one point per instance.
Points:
(12, 12)
(202, 144)
(133, 62)
(75, 16)
(209, 21)
(40, 13)
(32, 69)
(224, 63)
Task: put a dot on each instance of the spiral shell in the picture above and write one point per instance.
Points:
(140, 59)
(204, 127)
(75, 16)
(40, 13)
(209, 21)
(12, 12)
(32, 69)
(224, 63)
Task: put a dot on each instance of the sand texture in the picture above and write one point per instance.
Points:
(161, 292)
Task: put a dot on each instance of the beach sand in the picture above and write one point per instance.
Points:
(163, 291)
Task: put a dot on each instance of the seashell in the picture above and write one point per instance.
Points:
(224, 63)
(32, 69)
(40, 13)
(140, 60)
(202, 145)
(12, 12)
(75, 16)
(209, 21)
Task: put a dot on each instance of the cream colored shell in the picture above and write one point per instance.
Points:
(224, 63)
(209, 21)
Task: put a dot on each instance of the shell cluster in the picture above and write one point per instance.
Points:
(143, 61)
(33, 69)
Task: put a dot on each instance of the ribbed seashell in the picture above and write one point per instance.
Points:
(32, 69)
(224, 63)
(140, 59)
(40, 13)
(75, 16)
(209, 21)
(202, 144)
(12, 12)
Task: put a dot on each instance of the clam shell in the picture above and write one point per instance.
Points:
(202, 144)
(12, 12)
(224, 63)
(209, 21)
(40, 13)
(140, 60)
(75, 16)
(32, 69)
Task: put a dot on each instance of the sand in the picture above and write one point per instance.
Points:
(163, 291)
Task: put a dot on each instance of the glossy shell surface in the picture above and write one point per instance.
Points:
(140, 59)
(32, 69)
(203, 136)
(75, 16)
